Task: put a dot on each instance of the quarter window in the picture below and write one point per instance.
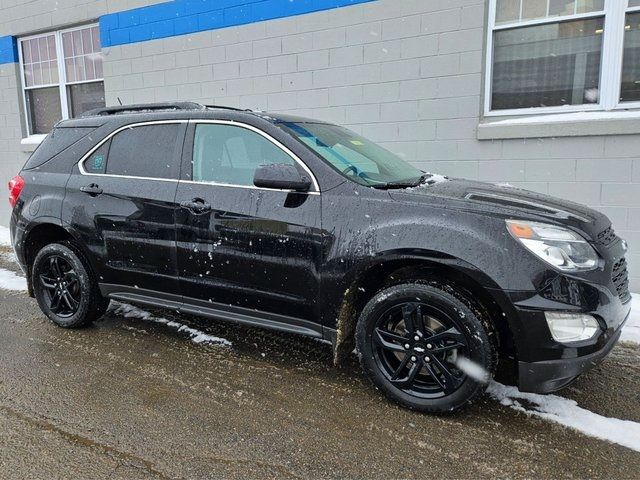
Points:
(230, 155)
(97, 161)
(61, 76)
(562, 55)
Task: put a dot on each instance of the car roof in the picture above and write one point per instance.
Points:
(138, 113)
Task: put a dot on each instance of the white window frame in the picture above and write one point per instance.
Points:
(62, 75)
(611, 61)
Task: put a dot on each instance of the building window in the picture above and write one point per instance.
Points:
(61, 76)
(548, 56)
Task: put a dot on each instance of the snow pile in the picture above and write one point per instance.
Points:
(10, 281)
(197, 336)
(631, 329)
(5, 237)
(567, 412)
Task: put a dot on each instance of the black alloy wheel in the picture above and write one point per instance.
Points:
(418, 344)
(65, 286)
(61, 287)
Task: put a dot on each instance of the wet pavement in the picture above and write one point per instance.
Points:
(129, 398)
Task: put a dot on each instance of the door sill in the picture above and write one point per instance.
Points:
(213, 310)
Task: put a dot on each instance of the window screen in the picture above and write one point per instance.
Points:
(230, 155)
(63, 67)
(145, 151)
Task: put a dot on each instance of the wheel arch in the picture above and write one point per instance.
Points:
(438, 268)
(41, 234)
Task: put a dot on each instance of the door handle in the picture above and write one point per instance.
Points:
(93, 190)
(197, 206)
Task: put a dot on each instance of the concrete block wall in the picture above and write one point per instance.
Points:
(20, 17)
(11, 156)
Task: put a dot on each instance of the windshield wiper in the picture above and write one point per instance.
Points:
(404, 183)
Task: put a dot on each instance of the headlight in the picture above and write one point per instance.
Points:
(557, 246)
(571, 327)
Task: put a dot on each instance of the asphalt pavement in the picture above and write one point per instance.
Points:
(133, 399)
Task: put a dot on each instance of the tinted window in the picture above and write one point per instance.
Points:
(230, 155)
(97, 161)
(146, 151)
(57, 141)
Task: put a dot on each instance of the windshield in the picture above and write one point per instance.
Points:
(354, 156)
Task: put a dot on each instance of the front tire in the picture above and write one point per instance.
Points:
(65, 287)
(415, 343)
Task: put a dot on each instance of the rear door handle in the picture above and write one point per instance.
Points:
(196, 206)
(93, 190)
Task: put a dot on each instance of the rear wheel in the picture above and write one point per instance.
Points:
(65, 286)
(424, 348)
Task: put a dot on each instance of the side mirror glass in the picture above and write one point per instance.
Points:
(282, 177)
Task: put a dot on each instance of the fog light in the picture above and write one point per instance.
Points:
(571, 327)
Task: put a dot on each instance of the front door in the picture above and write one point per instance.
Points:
(121, 201)
(242, 248)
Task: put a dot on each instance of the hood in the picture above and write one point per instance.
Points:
(506, 200)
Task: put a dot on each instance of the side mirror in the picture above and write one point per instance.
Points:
(282, 177)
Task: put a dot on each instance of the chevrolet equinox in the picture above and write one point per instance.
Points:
(298, 225)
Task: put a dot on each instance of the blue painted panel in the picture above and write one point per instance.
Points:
(8, 50)
(180, 17)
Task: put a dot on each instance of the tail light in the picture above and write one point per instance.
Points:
(15, 188)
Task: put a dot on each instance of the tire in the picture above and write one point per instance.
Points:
(66, 287)
(401, 356)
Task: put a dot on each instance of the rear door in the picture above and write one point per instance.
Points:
(241, 248)
(121, 202)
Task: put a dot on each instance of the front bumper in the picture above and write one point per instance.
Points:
(551, 375)
(545, 365)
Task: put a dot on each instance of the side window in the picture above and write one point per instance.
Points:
(145, 151)
(230, 155)
(97, 161)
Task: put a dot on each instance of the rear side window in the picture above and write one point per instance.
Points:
(144, 151)
(56, 142)
(230, 155)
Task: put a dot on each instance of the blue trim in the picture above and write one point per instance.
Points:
(8, 50)
(180, 17)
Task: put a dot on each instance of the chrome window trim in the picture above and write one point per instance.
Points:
(247, 187)
(80, 163)
(314, 181)
(111, 135)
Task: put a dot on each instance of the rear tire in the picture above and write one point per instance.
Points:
(414, 341)
(65, 286)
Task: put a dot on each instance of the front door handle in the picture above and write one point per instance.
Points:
(93, 190)
(196, 206)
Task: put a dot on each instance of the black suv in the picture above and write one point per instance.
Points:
(303, 226)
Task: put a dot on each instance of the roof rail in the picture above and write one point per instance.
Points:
(143, 108)
(223, 107)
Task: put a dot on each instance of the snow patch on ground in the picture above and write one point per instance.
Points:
(5, 237)
(197, 336)
(567, 412)
(11, 281)
(631, 329)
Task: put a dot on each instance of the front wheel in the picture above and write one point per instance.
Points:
(424, 348)
(65, 287)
